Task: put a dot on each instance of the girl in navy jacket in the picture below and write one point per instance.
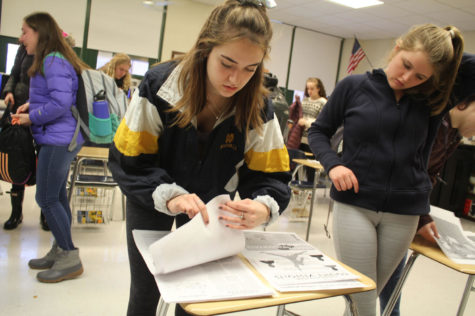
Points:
(199, 127)
(380, 182)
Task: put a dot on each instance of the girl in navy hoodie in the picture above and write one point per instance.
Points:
(380, 182)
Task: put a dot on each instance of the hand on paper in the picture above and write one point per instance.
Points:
(429, 232)
(249, 214)
(343, 179)
(190, 204)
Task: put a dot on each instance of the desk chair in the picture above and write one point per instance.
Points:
(419, 246)
(301, 187)
(101, 155)
(300, 184)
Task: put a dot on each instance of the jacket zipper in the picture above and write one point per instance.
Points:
(388, 184)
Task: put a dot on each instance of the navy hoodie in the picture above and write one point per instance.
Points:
(386, 144)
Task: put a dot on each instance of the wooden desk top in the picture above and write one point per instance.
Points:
(94, 152)
(222, 307)
(432, 251)
(309, 163)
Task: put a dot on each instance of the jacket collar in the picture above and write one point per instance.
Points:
(169, 91)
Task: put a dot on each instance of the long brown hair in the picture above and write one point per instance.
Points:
(50, 39)
(228, 22)
(319, 84)
(444, 47)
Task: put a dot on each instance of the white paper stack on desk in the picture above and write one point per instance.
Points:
(185, 263)
(198, 263)
(290, 264)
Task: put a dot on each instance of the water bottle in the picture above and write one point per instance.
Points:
(100, 107)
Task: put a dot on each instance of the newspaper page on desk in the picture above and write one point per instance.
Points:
(454, 242)
(290, 264)
(223, 279)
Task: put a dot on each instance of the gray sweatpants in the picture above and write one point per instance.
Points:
(372, 243)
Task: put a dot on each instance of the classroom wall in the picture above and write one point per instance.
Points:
(184, 21)
(128, 26)
(69, 14)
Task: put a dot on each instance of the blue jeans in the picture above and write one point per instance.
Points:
(388, 289)
(51, 195)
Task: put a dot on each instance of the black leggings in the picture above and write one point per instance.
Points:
(144, 294)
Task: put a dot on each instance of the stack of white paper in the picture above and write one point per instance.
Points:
(291, 264)
(183, 250)
(195, 243)
(454, 241)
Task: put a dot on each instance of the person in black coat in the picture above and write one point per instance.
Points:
(16, 93)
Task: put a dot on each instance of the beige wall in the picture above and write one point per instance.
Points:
(184, 21)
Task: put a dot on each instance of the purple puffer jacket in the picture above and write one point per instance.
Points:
(51, 97)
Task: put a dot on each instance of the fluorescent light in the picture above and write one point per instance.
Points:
(357, 4)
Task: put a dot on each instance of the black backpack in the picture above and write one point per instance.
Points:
(17, 152)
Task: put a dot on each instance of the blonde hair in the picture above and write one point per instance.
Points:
(118, 59)
(319, 84)
(444, 48)
(228, 22)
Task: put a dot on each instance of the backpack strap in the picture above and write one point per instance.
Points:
(80, 124)
(91, 83)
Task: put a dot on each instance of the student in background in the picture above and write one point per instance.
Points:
(118, 68)
(16, 94)
(380, 183)
(304, 113)
(53, 89)
(200, 127)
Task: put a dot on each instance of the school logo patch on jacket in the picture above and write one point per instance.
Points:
(229, 142)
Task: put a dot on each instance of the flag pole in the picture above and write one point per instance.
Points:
(369, 61)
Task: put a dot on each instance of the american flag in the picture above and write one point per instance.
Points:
(357, 54)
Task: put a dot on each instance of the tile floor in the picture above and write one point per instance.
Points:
(431, 289)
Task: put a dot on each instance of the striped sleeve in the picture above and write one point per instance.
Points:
(266, 151)
(140, 129)
(264, 176)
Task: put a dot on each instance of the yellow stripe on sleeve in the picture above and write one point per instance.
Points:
(131, 143)
(275, 160)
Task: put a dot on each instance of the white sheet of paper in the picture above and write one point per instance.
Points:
(195, 243)
(228, 278)
(290, 264)
(224, 279)
(453, 241)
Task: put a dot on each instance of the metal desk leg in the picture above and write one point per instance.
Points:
(315, 181)
(466, 294)
(73, 179)
(397, 290)
(351, 304)
(280, 310)
(325, 226)
(162, 307)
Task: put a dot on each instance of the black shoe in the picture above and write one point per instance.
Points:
(13, 222)
(16, 197)
(44, 224)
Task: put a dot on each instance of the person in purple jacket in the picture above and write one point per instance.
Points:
(380, 181)
(53, 89)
